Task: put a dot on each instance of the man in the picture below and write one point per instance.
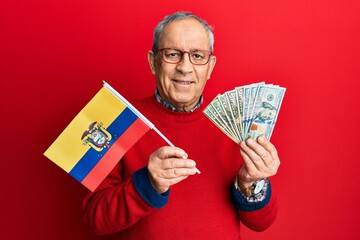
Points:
(154, 192)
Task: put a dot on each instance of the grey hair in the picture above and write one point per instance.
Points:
(180, 16)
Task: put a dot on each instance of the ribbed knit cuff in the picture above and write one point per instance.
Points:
(242, 202)
(147, 192)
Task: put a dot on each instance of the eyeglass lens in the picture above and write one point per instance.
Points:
(198, 57)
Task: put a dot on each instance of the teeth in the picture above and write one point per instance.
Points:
(182, 82)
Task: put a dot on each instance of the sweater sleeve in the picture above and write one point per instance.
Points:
(256, 215)
(119, 203)
(145, 189)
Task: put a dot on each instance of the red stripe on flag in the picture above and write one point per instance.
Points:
(114, 154)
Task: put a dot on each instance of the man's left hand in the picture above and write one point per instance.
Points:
(260, 160)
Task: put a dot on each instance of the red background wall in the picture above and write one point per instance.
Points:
(54, 54)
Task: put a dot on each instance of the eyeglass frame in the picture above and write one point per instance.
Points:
(183, 53)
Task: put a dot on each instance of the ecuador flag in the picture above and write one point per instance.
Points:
(97, 138)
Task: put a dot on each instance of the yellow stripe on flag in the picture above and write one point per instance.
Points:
(68, 149)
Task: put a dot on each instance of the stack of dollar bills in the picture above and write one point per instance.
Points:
(248, 111)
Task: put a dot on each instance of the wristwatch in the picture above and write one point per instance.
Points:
(254, 189)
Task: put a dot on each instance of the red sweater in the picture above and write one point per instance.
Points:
(203, 206)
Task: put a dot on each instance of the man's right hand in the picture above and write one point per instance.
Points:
(168, 166)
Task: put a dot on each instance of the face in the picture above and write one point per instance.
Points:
(267, 114)
(182, 84)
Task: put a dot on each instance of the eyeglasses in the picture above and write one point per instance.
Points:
(174, 56)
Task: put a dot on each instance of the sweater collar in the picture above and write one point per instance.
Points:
(172, 108)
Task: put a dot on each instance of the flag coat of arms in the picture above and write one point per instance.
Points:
(97, 138)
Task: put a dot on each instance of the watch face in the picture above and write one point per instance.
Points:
(259, 186)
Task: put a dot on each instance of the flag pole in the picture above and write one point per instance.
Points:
(137, 113)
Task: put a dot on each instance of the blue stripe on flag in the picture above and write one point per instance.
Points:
(92, 157)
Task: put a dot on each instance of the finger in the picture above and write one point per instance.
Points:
(274, 162)
(249, 170)
(252, 150)
(168, 152)
(171, 163)
(268, 146)
(177, 173)
(265, 161)
(264, 152)
(171, 181)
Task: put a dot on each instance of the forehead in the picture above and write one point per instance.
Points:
(185, 34)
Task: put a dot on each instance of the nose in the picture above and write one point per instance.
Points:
(185, 66)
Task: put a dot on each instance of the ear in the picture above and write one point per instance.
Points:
(211, 66)
(151, 60)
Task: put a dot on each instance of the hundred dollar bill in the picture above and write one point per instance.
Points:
(210, 112)
(265, 111)
(240, 102)
(250, 93)
(246, 107)
(229, 115)
(253, 96)
(222, 114)
(232, 99)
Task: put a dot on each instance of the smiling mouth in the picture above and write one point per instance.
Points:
(183, 82)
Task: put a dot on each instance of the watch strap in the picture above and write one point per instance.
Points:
(248, 191)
